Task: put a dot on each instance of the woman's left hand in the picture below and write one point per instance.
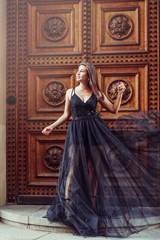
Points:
(121, 88)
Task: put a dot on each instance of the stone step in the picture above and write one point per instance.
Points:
(30, 217)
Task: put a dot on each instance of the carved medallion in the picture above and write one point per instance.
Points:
(120, 26)
(53, 156)
(54, 93)
(55, 28)
(112, 90)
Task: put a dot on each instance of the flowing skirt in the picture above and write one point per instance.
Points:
(109, 181)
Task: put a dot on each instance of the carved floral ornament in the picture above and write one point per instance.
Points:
(55, 28)
(120, 26)
(112, 90)
(52, 157)
(54, 93)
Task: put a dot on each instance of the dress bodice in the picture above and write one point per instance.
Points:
(80, 108)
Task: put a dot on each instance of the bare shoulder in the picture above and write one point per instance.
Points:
(68, 93)
(69, 90)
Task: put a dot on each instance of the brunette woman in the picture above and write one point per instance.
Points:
(98, 191)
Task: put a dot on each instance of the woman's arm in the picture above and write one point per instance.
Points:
(66, 115)
(114, 108)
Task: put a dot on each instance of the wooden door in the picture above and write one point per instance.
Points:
(47, 39)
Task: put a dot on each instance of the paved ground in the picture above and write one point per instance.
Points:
(26, 222)
(16, 233)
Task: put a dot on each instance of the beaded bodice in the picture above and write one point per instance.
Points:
(80, 108)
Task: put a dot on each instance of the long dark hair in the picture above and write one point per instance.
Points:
(92, 79)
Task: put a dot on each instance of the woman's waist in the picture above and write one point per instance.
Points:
(86, 116)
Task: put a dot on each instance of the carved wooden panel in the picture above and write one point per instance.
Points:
(136, 96)
(120, 24)
(55, 28)
(46, 41)
(44, 157)
(47, 87)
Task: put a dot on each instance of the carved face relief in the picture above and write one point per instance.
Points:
(55, 28)
(112, 90)
(52, 157)
(120, 26)
(54, 93)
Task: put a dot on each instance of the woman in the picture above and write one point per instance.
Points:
(90, 197)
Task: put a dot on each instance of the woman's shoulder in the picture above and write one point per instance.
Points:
(69, 92)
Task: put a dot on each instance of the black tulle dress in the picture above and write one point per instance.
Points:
(108, 182)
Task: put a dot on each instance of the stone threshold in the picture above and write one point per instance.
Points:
(30, 217)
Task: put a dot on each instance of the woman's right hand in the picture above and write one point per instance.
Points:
(47, 130)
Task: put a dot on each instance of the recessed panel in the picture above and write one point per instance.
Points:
(135, 78)
(55, 28)
(47, 90)
(44, 158)
(119, 27)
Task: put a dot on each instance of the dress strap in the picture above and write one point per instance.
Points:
(73, 92)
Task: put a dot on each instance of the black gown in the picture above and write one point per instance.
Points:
(108, 184)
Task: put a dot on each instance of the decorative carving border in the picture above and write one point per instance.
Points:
(52, 1)
(154, 46)
(11, 109)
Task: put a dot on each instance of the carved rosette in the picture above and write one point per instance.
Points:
(55, 28)
(112, 90)
(52, 157)
(120, 26)
(54, 93)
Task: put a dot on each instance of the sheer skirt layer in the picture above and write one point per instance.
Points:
(109, 183)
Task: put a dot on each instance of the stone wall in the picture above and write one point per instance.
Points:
(2, 102)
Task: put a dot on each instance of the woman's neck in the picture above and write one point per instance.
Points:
(83, 86)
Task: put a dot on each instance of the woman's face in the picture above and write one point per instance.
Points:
(82, 75)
